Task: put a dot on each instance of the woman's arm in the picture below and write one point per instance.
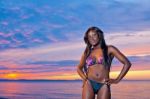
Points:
(123, 59)
(80, 67)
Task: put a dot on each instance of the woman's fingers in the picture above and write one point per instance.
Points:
(107, 82)
(112, 81)
(84, 81)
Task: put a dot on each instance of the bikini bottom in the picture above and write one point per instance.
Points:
(96, 86)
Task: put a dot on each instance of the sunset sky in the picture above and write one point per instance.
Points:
(43, 39)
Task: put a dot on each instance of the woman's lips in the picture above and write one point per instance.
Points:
(93, 42)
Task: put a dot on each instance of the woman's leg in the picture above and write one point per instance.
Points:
(87, 92)
(104, 92)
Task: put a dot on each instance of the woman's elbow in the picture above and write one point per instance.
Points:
(128, 64)
(77, 69)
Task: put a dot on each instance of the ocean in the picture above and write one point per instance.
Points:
(69, 90)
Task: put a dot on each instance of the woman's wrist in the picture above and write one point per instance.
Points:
(85, 78)
(117, 80)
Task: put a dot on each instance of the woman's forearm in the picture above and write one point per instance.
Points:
(124, 71)
(81, 73)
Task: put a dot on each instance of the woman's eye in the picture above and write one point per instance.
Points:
(90, 37)
(95, 34)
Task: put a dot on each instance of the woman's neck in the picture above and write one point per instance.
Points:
(96, 47)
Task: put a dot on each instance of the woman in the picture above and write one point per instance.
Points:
(95, 63)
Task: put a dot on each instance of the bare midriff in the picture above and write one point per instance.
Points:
(98, 73)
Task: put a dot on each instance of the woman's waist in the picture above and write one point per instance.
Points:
(99, 80)
(97, 70)
(98, 77)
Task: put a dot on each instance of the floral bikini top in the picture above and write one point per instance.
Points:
(90, 61)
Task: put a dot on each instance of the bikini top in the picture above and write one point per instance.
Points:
(90, 61)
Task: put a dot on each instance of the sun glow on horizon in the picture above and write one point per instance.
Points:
(11, 76)
(131, 75)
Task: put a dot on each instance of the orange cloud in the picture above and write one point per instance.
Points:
(134, 75)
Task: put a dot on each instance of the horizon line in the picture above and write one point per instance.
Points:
(64, 80)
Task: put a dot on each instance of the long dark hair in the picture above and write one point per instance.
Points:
(106, 61)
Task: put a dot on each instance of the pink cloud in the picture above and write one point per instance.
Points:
(37, 40)
(4, 42)
(5, 34)
(15, 40)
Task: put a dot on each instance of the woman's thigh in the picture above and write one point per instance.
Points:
(87, 92)
(104, 92)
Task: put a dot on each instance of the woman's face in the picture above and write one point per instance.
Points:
(93, 38)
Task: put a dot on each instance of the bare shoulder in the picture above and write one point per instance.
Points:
(112, 49)
(118, 54)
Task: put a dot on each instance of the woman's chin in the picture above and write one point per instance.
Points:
(93, 44)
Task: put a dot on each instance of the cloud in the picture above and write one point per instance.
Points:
(44, 36)
(39, 23)
(58, 51)
(72, 50)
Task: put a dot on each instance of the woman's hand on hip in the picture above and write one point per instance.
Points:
(84, 81)
(111, 81)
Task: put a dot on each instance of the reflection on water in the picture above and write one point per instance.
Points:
(131, 90)
(69, 90)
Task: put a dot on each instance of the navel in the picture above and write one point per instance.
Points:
(97, 74)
